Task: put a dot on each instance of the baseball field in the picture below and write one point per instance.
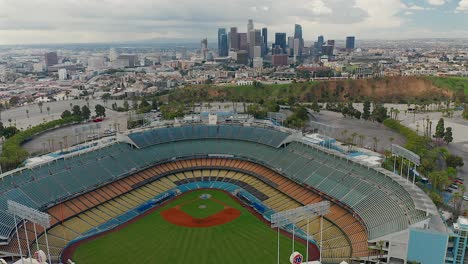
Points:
(204, 226)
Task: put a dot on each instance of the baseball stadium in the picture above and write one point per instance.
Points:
(204, 193)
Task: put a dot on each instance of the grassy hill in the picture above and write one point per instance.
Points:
(451, 83)
(395, 89)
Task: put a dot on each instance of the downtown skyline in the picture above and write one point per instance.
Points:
(30, 22)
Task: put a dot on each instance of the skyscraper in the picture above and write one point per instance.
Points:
(222, 42)
(297, 31)
(265, 40)
(298, 40)
(255, 39)
(50, 58)
(320, 41)
(350, 42)
(243, 44)
(280, 40)
(204, 48)
(234, 41)
(250, 25)
(221, 48)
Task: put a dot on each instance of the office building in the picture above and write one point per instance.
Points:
(243, 44)
(113, 54)
(204, 48)
(331, 42)
(96, 63)
(290, 46)
(51, 58)
(280, 40)
(222, 42)
(250, 25)
(297, 47)
(328, 50)
(258, 63)
(350, 43)
(320, 41)
(265, 40)
(255, 39)
(242, 57)
(279, 60)
(125, 60)
(62, 73)
(276, 49)
(234, 39)
(297, 31)
(257, 52)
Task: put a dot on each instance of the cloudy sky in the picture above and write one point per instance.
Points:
(81, 21)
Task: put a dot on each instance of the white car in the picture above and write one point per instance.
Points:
(465, 197)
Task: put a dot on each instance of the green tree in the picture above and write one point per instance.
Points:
(100, 110)
(454, 161)
(440, 129)
(126, 106)
(144, 104)
(448, 137)
(366, 110)
(154, 104)
(10, 131)
(66, 114)
(76, 111)
(439, 179)
(315, 107)
(40, 104)
(85, 112)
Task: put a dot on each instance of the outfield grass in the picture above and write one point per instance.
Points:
(153, 240)
(192, 207)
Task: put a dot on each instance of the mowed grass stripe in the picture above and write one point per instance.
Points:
(153, 240)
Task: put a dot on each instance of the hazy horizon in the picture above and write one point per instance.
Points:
(28, 22)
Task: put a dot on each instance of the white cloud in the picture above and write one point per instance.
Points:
(318, 7)
(463, 6)
(416, 7)
(436, 2)
(408, 13)
(54, 21)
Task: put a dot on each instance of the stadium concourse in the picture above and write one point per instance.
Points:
(97, 189)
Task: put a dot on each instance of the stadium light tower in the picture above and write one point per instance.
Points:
(296, 215)
(34, 216)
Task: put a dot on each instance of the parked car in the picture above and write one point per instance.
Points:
(97, 120)
(449, 190)
(454, 186)
(460, 179)
(465, 197)
(459, 182)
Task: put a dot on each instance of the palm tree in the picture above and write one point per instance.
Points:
(344, 133)
(40, 104)
(353, 136)
(376, 142)
(361, 140)
(391, 139)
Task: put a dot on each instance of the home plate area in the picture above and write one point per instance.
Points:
(205, 211)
